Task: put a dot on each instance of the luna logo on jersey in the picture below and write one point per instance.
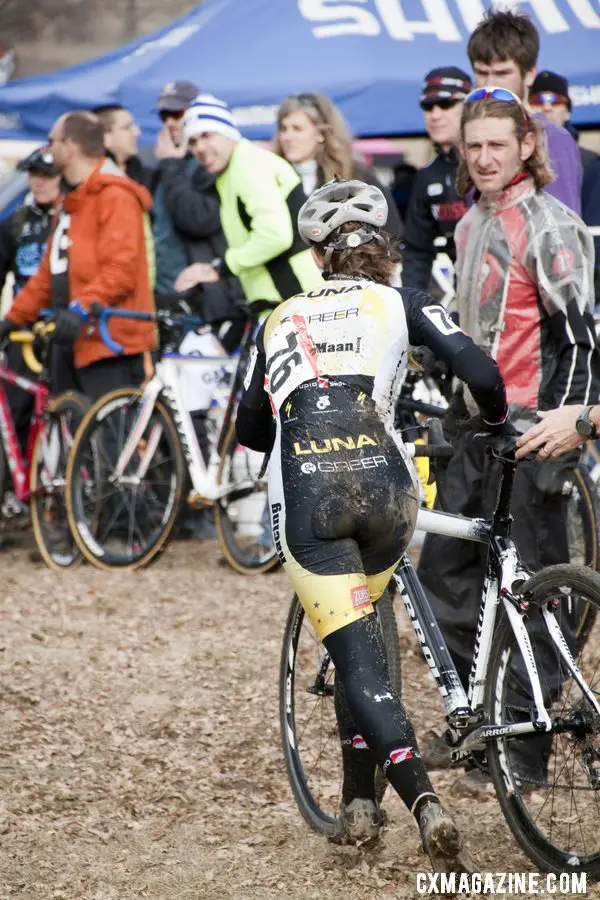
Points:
(333, 445)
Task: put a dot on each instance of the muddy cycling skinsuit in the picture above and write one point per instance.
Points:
(342, 489)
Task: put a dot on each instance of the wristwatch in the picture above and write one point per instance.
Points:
(584, 425)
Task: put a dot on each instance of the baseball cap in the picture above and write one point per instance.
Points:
(40, 160)
(550, 83)
(445, 83)
(176, 96)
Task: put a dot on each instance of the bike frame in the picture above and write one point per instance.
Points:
(19, 466)
(165, 382)
(504, 576)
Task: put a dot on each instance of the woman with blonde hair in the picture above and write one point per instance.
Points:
(313, 136)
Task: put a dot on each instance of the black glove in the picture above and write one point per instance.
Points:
(68, 325)
(505, 429)
(6, 327)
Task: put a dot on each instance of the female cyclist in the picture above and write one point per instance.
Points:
(319, 394)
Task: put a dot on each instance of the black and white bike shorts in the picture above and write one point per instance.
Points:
(343, 502)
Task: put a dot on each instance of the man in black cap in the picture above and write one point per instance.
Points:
(24, 234)
(173, 161)
(187, 229)
(549, 94)
(23, 238)
(435, 207)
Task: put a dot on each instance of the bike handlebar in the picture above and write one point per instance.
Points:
(102, 315)
(26, 339)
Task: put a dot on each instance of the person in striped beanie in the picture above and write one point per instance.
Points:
(261, 195)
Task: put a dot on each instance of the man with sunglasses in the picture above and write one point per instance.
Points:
(503, 51)
(435, 207)
(524, 277)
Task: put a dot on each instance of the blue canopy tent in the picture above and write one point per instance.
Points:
(369, 56)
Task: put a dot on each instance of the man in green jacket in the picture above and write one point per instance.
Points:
(260, 195)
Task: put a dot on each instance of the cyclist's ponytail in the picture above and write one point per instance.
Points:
(375, 260)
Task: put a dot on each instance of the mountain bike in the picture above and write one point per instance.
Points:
(531, 716)
(149, 454)
(38, 475)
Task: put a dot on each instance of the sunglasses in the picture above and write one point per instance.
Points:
(497, 93)
(544, 97)
(176, 114)
(427, 105)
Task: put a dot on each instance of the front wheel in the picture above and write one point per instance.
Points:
(47, 480)
(307, 717)
(122, 521)
(242, 516)
(548, 784)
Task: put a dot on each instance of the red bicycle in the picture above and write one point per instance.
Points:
(38, 476)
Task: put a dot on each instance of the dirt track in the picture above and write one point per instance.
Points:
(140, 749)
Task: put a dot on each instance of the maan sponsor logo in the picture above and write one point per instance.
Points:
(333, 445)
(275, 510)
(347, 347)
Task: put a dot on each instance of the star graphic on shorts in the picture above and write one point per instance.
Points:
(332, 612)
(317, 605)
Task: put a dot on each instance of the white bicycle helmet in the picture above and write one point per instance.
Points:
(338, 202)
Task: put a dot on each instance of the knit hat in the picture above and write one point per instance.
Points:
(207, 113)
(550, 83)
(445, 83)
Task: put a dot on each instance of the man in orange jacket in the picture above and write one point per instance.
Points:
(97, 253)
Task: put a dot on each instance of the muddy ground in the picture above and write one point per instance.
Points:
(139, 749)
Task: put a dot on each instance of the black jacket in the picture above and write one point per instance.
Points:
(23, 238)
(433, 212)
(367, 173)
(193, 204)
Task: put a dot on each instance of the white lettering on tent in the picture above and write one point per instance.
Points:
(551, 18)
(352, 18)
(584, 11)
(585, 94)
(438, 22)
(472, 12)
(348, 19)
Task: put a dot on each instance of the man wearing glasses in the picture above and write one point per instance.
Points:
(435, 207)
(524, 275)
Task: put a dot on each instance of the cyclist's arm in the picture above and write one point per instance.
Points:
(430, 324)
(271, 231)
(255, 425)
(563, 269)
(191, 200)
(35, 295)
(420, 232)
